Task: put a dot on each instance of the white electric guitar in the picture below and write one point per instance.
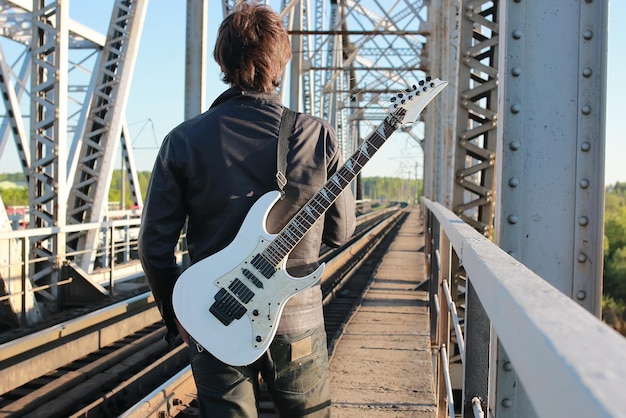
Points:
(231, 301)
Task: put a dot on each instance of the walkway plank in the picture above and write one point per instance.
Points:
(382, 366)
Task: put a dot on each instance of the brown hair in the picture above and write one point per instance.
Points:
(252, 47)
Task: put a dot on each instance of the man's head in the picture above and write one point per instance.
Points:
(252, 47)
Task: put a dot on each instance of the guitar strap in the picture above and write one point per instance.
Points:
(309, 312)
(287, 122)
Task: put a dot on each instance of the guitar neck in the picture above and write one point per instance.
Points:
(300, 224)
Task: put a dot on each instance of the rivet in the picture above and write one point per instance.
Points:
(587, 34)
(516, 108)
(582, 257)
(515, 145)
(583, 221)
(581, 295)
(585, 146)
(584, 183)
(508, 366)
(587, 72)
(507, 403)
(512, 219)
(517, 34)
(586, 109)
(514, 181)
(516, 71)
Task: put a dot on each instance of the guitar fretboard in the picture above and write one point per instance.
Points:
(302, 222)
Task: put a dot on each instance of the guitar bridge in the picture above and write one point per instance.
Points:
(226, 308)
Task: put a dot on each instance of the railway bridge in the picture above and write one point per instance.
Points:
(512, 162)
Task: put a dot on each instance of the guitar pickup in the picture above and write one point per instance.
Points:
(241, 291)
(263, 266)
(250, 276)
(226, 308)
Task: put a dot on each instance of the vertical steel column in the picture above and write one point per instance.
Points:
(552, 189)
(128, 162)
(195, 57)
(295, 82)
(47, 180)
(441, 56)
(551, 152)
(476, 366)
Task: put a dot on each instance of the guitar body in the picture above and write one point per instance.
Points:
(231, 302)
(230, 307)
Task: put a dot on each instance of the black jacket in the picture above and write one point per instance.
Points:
(209, 172)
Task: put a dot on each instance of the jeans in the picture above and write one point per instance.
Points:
(294, 368)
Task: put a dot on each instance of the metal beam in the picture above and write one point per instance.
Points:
(89, 194)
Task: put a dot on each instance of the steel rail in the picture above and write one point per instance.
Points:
(175, 396)
(33, 356)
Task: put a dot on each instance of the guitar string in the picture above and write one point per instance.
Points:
(286, 240)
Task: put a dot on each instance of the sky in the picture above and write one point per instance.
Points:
(155, 103)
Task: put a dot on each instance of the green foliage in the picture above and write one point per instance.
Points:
(19, 196)
(614, 298)
(14, 197)
(14, 177)
(392, 189)
(614, 313)
(115, 192)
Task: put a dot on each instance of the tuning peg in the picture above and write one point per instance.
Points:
(421, 83)
(428, 78)
(393, 99)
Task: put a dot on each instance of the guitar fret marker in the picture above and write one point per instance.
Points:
(364, 149)
(381, 132)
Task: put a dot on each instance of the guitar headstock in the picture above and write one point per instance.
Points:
(408, 104)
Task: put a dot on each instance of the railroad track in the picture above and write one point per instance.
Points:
(114, 362)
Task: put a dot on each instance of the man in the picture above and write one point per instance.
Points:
(209, 172)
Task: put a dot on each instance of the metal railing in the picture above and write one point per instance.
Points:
(569, 362)
(116, 262)
(22, 284)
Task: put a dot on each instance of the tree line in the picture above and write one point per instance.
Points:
(614, 294)
(409, 190)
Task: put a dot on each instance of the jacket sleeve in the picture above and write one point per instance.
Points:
(163, 218)
(340, 219)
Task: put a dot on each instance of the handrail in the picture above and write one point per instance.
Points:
(569, 362)
(116, 251)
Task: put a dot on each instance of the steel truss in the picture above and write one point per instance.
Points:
(76, 82)
(476, 115)
(351, 56)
